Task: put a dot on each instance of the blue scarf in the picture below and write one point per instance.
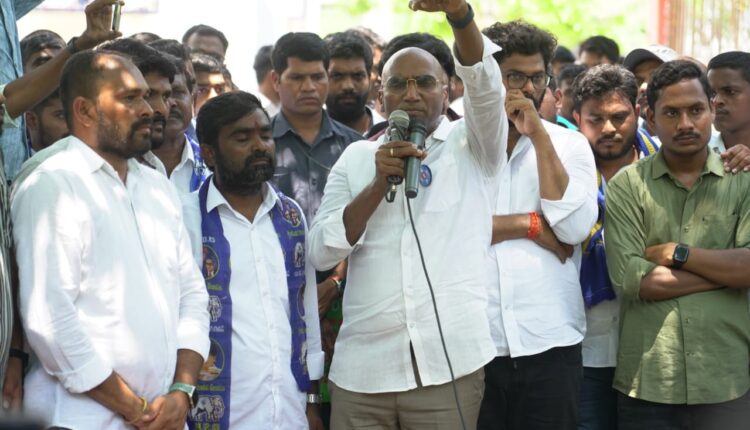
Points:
(595, 283)
(214, 387)
(200, 173)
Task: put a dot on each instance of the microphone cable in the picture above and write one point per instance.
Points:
(437, 315)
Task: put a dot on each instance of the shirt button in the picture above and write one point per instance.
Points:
(412, 325)
(686, 229)
(687, 320)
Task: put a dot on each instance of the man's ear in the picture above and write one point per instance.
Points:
(558, 99)
(577, 117)
(276, 80)
(650, 117)
(209, 155)
(84, 112)
(31, 120)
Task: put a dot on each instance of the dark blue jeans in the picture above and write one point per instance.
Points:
(598, 410)
(635, 414)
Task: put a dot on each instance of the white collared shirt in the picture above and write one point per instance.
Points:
(182, 173)
(387, 305)
(537, 303)
(107, 283)
(264, 394)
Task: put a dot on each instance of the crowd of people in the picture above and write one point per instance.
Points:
(178, 252)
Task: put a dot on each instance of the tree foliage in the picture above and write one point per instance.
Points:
(571, 21)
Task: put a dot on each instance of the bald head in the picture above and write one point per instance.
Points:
(415, 82)
(412, 54)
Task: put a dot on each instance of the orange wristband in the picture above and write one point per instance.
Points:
(535, 226)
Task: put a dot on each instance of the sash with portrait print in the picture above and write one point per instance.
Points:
(595, 283)
(212, 409)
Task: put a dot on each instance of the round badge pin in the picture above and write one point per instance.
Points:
(425, 175)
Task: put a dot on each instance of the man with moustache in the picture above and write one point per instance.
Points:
(111, 300)
(349, 81)
(606, 110)
(308, 141)
(545, 205)
(251, 241)
(678, 231)
(179, 154)
(389, 369)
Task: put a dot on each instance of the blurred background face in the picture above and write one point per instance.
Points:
(302, 87)
(158, 97)
(731, 99)
(207, 86)
(181, 107)
(209, 44)
(348, 88)
(46, 124)
(610, 124)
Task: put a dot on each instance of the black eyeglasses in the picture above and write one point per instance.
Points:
(517, 80)
(424, 84)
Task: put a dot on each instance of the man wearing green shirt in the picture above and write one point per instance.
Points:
(678, 228)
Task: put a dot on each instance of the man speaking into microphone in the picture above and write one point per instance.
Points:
(389, 370)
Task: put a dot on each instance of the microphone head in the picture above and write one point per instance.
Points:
(399, 119)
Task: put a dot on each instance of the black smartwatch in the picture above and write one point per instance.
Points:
(465, 21)
(680, 256)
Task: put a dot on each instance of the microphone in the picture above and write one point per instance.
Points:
(398, 128)
(417, 134)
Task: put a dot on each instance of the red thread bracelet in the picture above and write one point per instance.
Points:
(535, 226)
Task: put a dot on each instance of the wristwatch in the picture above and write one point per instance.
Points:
(188, 389)
(313, 398)
(680, 256)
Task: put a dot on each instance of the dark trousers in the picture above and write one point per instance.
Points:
(635, 414)
(598, 409)
(539, 392)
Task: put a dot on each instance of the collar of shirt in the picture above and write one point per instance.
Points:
(94, 161)
(216, 199)
(327, 127)
(713, 165)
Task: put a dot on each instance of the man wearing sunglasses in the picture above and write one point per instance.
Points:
(389, 370)
(545, 207)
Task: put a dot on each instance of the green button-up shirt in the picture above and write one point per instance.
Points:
(693, 349)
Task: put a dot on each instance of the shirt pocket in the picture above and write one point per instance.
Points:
(718, 231)
(443, 192)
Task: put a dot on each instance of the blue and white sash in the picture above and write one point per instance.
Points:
(212, 409)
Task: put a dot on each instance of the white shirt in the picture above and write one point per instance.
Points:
(716, 143)
(387, 304)
(182, 173)
(537, 304)
(602, 329)
(107, 283)
(270, 107)
(264, 394)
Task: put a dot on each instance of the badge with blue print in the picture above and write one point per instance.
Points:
(425, 175)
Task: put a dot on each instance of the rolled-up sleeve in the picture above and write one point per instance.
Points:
(484, 110)
(49, 245)
(328, 245)
(572, 217)
(625, 239)
(193, 324)
(315, 354)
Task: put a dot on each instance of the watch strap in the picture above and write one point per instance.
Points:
(185, 388)
(19, 354)
(463, 22)
(314, 399)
